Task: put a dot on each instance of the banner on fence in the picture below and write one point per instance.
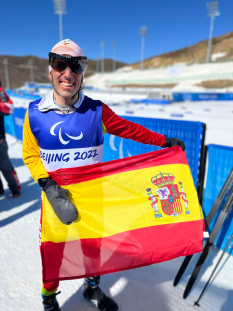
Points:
(179, 97)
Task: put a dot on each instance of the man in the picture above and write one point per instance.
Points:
(65, 129)
(6, 108)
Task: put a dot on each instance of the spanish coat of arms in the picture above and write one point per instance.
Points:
(169, 195)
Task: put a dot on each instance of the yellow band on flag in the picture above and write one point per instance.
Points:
(117, 203)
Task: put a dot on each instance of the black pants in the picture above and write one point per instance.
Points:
(6, 167)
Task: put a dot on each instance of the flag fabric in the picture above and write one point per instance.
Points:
(133, 212)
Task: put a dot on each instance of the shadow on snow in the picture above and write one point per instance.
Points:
(30, 192)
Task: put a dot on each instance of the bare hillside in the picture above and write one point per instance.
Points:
(221, 49)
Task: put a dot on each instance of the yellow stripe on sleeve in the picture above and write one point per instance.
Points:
(31, 152)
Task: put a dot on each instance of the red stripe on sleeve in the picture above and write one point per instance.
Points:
(118, 126)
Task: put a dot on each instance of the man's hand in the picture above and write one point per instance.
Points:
(170, 142)
(61, 204)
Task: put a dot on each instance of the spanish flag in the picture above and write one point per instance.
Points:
(133, 212)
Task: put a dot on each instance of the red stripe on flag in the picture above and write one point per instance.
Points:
(123, 251)
(75, 175)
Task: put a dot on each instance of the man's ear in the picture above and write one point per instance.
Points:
(50, 76)
(50, 73)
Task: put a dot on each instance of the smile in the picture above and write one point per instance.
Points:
(67, 83)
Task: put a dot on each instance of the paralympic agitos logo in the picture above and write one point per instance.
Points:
(64, 142)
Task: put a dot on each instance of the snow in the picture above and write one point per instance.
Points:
(187, 87)
(217, 55)
(149, 288)
(217, 115)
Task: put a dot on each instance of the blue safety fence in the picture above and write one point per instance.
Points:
(19, 115)
(23, 94)
(14, 123)
(180, 97)
(190, 132)
(152, 101)
(115, 148)
(9, 125)
(220, 163)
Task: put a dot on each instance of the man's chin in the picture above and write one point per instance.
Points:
(66, 94)
(70, 98)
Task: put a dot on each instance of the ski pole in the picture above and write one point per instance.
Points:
(209, 219)
(196, 303)
(213, 235)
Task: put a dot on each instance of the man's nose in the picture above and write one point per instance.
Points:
(68, 72)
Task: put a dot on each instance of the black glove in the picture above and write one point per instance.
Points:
(61, 204)
(170, 142)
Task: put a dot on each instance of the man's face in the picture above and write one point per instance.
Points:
(66, 84)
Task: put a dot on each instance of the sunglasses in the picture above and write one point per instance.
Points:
(60, 63)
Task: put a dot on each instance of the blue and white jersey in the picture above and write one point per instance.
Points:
(68, 140)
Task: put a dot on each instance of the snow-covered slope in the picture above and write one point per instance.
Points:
(180, 74)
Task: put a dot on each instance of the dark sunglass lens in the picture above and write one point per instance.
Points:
(76, 68)
(59, 65)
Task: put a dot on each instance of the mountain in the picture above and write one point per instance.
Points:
(221, 49)
(19, 69)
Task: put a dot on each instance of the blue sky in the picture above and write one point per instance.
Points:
(30, 27)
